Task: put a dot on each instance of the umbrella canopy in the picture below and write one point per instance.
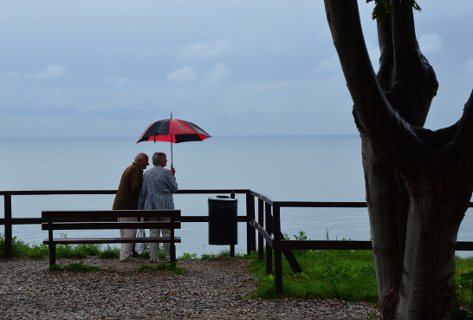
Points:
(174, 131)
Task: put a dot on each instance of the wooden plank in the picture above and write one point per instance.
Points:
(262, 232)
(464, 246)
(107, 214)
(323, 245)
(194, 219)
(111, 240)
(111, 225)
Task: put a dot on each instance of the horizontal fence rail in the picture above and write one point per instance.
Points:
(9, 220)
(262, 219)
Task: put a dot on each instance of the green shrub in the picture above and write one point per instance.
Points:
(189, 256)
(38, 251)
(109, 252)
(19, 248)
(89, 249)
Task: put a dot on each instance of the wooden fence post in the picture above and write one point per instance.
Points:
(269, 230)
(8, 226)
(261, 223)
(277, 251)
(250, 231)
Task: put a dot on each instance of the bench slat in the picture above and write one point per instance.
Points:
(108, 214)
(111, 225)
(111, 240)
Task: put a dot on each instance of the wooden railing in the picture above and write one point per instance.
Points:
(269, 232)
(263, 231)
(9, 220)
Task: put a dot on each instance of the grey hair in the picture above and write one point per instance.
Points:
(158, 157)
(140, 156)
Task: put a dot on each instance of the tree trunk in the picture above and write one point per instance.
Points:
(418, 182)
(409, 83)
(427, 288)
(387, 200)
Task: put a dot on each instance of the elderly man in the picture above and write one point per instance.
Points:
(127, 197)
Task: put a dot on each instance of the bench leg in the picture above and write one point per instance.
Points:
(173, 252)
(52, 255)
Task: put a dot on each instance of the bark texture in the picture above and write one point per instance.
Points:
(418, 182)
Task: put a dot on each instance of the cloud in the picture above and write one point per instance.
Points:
(183, 75)
(12, 75)
(203, 50)
(190, 74)
(430, 42)
(51, 71)
(217, 74)
(328, 65)
(229, 59)
(119, 81)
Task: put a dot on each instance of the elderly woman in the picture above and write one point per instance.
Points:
(159, 184)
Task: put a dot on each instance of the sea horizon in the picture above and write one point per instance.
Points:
(286, 168)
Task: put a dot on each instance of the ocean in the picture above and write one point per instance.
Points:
(308, 168)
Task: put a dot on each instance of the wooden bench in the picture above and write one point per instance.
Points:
(108, 219)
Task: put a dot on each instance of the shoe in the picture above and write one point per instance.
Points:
(131, 259)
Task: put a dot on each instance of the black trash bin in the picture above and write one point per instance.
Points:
(223, 220)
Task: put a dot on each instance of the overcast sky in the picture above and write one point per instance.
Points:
(235, 67)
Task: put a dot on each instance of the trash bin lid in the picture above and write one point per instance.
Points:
(222, 198)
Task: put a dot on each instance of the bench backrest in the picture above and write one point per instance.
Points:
(107, 219)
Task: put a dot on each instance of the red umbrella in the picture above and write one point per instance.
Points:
(174, 131)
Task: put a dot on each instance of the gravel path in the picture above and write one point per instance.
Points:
(208, 289)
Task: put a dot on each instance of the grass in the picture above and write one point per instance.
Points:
(347, 275)
(464, 287)
(159, 267)
(330, 274)
(74, 267)
(21, 249)
(80, 251)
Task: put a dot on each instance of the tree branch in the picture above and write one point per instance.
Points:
(391, 135)
(414, 83)
(464, 135)
(386, 59)
(404, 36)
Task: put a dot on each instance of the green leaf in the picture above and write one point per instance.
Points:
(467, 276)
(382, 8)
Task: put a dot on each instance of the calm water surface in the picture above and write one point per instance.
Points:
(311, 168)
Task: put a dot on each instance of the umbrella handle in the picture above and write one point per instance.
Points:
(172, 162)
